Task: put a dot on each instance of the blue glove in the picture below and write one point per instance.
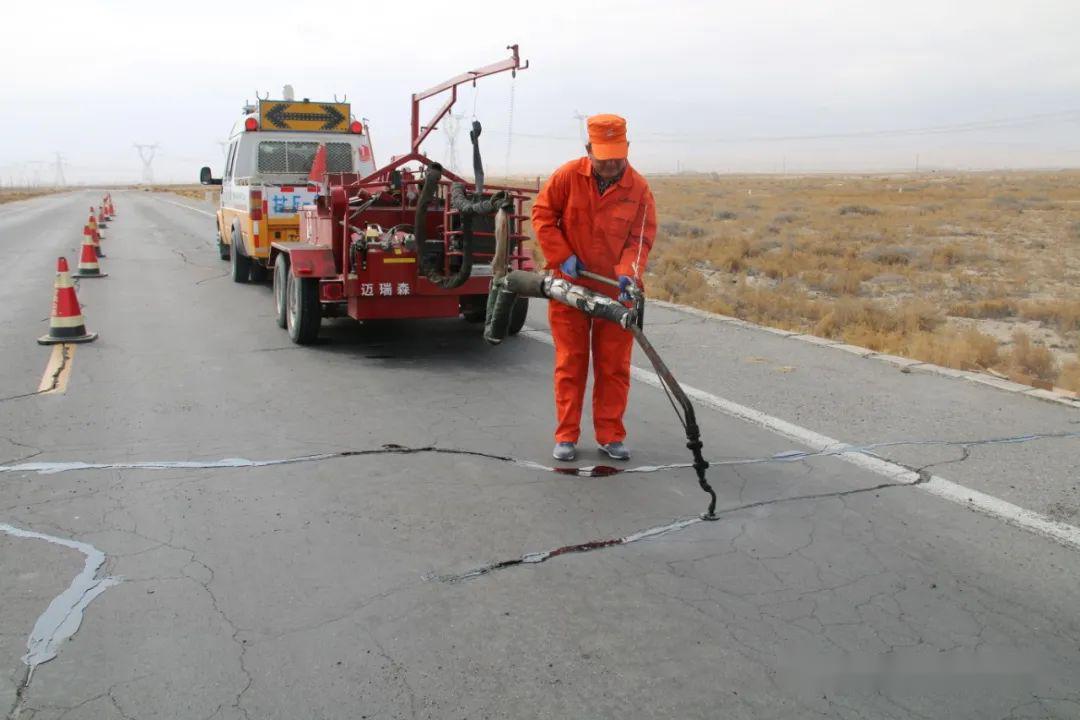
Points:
(625, 283)
(571, 266)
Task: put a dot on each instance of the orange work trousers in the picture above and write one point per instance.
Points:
(575, 333)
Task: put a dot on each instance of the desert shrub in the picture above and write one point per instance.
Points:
(889, 255)
(858, 210)
(1031, 358)
(1069, 377)
(678, 228)
(1008, 202)
(729, 256)
(966, 349)
(785, 218)
(764, 245)
(724, 215)
(1059, 313)
(873, 323)
(946, 256)
(982, 309)
(836, 283)
(930, 209)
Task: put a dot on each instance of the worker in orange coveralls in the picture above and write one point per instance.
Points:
(595, 213)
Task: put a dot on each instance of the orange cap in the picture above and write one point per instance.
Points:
(607, 135)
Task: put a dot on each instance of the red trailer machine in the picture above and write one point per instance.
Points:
(410, 240)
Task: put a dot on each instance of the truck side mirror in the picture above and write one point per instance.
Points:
(205, 177)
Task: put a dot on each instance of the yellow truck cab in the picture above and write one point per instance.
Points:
(265, 183)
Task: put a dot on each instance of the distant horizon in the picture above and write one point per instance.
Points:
(135, 184)
(774, 87)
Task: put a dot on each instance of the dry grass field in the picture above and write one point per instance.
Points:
(8, 195)
(974, 271)
(977, 271)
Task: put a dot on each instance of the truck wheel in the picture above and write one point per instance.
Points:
(303, 314)
(281, 285)
(517, 315)
(240, 263)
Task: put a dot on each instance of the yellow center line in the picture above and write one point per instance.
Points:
(57, 371)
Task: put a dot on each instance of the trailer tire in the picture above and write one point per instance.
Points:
(518, 314)
(281, 284)
(240, 264)
(303, 314)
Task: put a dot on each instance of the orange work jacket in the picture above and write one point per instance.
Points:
(611, 234)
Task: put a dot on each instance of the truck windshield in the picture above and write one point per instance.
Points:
(289, 156)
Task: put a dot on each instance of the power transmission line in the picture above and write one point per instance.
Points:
(971, 126)
(581, 123)
(146, 154)
(451, 126)
(58, 171)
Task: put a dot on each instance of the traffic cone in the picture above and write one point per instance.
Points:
(92, 221)
(100, 216)
(108, 199)
(66, 324)
(96, 237)
(88, 261)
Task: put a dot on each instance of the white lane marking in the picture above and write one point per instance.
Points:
(1062, 533)
(50, 468)
(65, 613)
(188, 207)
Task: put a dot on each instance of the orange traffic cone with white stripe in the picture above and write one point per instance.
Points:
(92, 234)
(66, 324)
(96, 237)
(88, 261)
(92, 220)
(108, 202)
(100, 215)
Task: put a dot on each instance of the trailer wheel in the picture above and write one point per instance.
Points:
(281, 285)
(518, 314)
(240, 263)
(303, 314)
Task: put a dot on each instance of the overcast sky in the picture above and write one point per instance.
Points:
(730, 87)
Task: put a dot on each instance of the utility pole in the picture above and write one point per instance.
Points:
(58, 171)
(916, 162)
(581, 124)
(146, 154)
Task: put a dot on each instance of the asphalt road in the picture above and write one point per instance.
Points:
(333, 587)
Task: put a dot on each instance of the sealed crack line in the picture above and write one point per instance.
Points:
(51, 380)
(535, 558)
(788, 456)
(64, 614)
(860, 456)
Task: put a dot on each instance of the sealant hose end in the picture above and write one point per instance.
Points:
(710, 516)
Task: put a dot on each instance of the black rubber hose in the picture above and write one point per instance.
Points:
(459, 200)
(477, 164)
(427, 194)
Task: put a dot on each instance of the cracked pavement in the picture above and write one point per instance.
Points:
(306, 590)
